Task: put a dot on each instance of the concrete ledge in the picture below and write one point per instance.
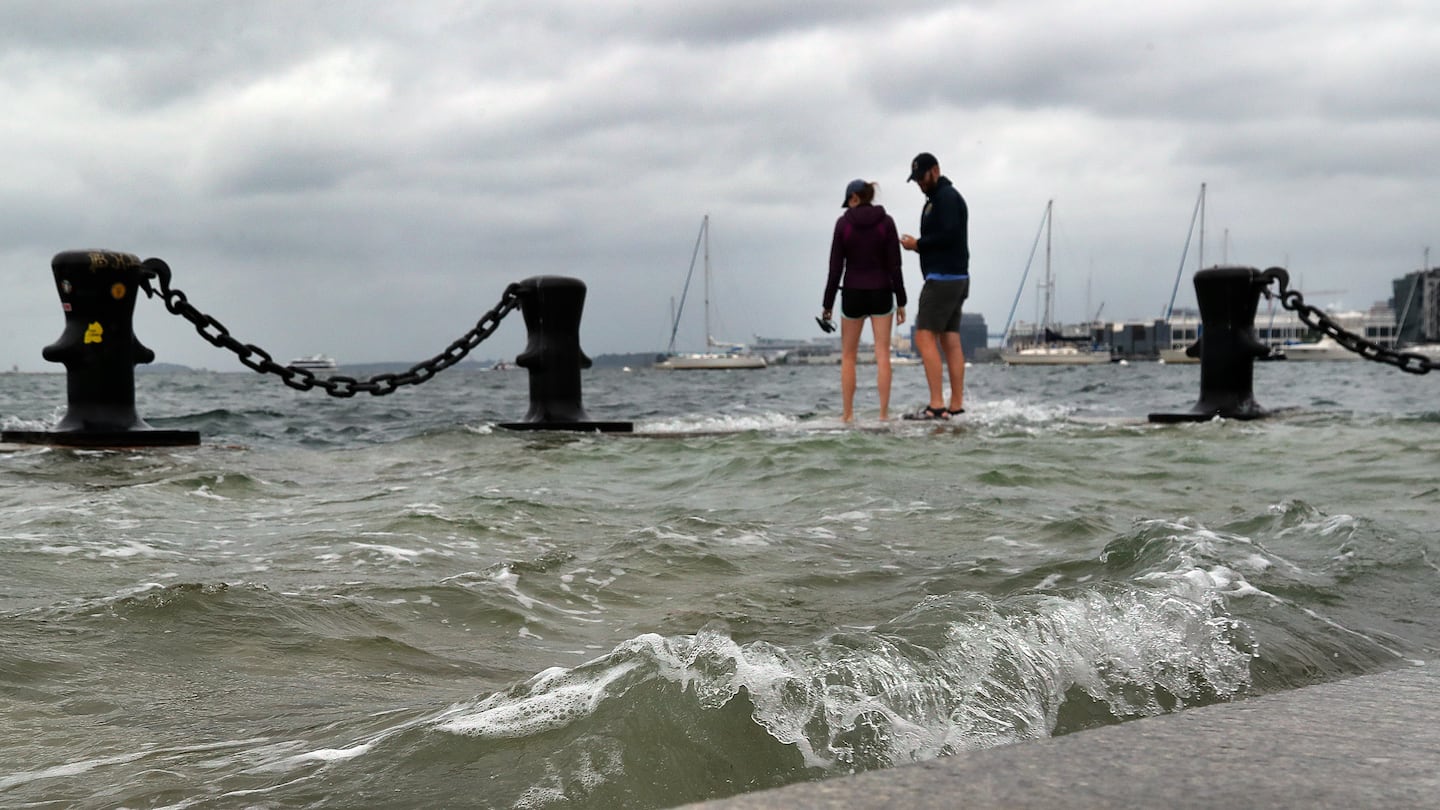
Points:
(1371, 741)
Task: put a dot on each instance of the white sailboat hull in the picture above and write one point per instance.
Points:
(1326, 348)
(700, 362)
(1064, 356)
(1175, 357)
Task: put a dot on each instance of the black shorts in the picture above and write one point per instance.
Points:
(940, 304)
(858, 304)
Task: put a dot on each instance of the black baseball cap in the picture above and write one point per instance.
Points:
(922, 163)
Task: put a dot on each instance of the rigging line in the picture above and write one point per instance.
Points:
(695, 254)
(1199, 203)
(1033, 247)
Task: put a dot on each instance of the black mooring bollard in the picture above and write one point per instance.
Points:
(100, 351)
(1228, 346)
(552, 306)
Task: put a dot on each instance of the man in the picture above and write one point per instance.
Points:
(944, 248)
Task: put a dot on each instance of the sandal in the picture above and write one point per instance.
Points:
(928, 414)
(954, 412)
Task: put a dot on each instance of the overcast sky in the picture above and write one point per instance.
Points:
(364, 179)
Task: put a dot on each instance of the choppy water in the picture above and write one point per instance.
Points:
(388, 602)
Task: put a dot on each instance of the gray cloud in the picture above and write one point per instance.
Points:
(365, 179)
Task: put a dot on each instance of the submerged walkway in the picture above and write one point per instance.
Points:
(1371, 742)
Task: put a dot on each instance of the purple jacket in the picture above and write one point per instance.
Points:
(866, 252)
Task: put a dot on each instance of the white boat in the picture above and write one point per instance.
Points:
(829, 357)
(1326, 348)
(1175, 355)
(315, 362)
(710, 361)
(1048, 347)
(731, 356)
(1053, 356)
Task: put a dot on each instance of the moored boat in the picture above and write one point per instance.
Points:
(314, 362)
(731, 355)
(1054, 356)
(1048, 347)
(1326, 348)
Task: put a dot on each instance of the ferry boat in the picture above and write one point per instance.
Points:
(315, 362)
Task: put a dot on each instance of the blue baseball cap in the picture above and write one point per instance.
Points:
(855, 187)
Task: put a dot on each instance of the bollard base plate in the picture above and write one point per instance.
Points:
(103, 438)
(1203, 416)
(574, 427)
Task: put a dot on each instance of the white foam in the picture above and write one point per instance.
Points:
(850, 516)
(132, 548)
(335, 754)
(392, 552)
(67, 770)
(1011, 410)
(719, 424)
(555, 700)
(203, 491)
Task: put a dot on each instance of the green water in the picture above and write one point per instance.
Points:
(388, 602)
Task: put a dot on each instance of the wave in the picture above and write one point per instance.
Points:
(957, 672)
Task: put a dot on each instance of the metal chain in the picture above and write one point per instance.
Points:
(1316, 318)
(304, 379)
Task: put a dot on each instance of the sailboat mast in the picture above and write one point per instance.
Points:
(1198, 213)
(1200, 261)
(705, 226)
(1049, 272)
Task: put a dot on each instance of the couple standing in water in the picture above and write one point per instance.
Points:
(865, 270)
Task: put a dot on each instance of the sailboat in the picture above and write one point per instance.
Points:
(1047, 347)
(733, 356)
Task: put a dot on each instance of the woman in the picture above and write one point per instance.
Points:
(865, 269)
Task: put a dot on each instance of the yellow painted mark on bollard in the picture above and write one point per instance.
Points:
(117, 291)
(95, 333)
(105, 260)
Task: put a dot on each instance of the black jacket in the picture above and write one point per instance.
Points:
(944, 243)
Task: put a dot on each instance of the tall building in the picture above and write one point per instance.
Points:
(973, 335)
(1417, 306)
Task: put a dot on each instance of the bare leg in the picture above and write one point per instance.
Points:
(955, 359)
(849, 348)
(928, 347)
(880, 328)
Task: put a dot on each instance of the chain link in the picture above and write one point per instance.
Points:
(1317, 319)
(303, 379)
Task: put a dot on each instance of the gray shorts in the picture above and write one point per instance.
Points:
(940, 304)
